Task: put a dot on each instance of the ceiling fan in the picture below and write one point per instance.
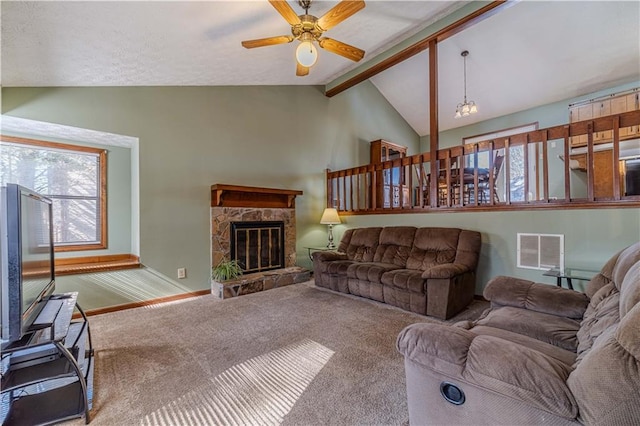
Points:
(307, 28)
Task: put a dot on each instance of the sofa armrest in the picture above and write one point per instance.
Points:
(328, 256)
(545, 298)
(447, 270)
(480, 363)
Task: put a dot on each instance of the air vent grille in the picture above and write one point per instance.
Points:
(541, 251)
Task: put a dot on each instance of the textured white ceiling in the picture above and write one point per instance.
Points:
(184, 43)
(530, 54)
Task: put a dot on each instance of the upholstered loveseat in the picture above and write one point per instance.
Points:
(430, 271)
(539, 355)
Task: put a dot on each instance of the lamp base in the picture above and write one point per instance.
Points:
(331, 245)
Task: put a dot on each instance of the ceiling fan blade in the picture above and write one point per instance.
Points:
(301, 70)
(340, 48)
(339, 13)
(286, 11)
(270, 41)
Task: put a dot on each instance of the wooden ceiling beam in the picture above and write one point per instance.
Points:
(446, 32)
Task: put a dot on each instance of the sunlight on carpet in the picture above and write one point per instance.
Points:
(119, 287)
(261, 390)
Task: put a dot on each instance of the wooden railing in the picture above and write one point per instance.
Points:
(540, 169)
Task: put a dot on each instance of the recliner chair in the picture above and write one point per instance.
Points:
(540, 355)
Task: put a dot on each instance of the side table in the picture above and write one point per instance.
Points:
(569, 274)
(312, 249)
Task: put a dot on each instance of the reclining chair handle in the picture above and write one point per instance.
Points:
(452, 393)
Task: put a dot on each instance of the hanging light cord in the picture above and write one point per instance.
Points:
(465, 77)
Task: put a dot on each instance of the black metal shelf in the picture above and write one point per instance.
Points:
(48, 376)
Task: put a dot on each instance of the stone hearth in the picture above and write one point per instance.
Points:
(248, 204)
(260, 281)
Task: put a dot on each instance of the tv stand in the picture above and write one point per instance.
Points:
(47, 376)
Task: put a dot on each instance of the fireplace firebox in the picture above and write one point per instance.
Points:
(257, 246)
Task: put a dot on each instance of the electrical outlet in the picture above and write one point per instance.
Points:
(182, 272)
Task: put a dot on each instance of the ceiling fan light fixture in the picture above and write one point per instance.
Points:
(308, 30)
(306, 54)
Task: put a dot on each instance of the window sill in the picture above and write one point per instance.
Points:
(84, 265)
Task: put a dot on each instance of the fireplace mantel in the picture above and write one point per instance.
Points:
(248, 196)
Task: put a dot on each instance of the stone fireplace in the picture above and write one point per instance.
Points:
(257, 246)
(257, 227)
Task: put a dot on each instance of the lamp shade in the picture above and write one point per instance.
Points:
(330, 217)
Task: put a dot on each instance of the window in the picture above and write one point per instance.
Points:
(516, 159)
(73, 177)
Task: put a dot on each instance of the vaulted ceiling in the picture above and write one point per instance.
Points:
(530, 54)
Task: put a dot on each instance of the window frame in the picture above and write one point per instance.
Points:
(102, 186)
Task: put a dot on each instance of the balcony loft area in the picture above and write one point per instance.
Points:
(523, 171)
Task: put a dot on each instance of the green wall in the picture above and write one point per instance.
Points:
(591, 237)
(193, 137)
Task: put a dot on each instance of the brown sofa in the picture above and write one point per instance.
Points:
(539, 355)
(430, 271)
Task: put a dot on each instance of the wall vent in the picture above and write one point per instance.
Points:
(541, 251)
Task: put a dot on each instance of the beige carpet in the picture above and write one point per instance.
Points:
(296, 355)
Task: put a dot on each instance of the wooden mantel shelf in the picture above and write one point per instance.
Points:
(248, 196)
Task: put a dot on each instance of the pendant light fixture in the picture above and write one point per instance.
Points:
(465, 108)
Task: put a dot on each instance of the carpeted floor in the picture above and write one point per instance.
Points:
(296, 355)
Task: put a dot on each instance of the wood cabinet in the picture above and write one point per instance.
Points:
(390, 189)
(620, 104)
(580, 113)
(614, 104)
(603, 169)
(603, 174)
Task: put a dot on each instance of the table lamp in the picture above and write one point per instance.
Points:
(330, 217)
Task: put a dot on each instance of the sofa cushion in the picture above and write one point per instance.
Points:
(558, 331)
(630, 290)
(433, 246)
(538, 379)
(361, 245)
(406, 279)
(605, 383)
(562, 355)
(628, 334)
(525, 294)
(337, 267)
(395, 245)
(469, 243)
(371, 272)
(628, 257)
(602, 313)
(606, 308)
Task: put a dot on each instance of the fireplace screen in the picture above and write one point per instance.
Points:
(258, 246)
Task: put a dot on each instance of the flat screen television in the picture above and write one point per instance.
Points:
(27, 259)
